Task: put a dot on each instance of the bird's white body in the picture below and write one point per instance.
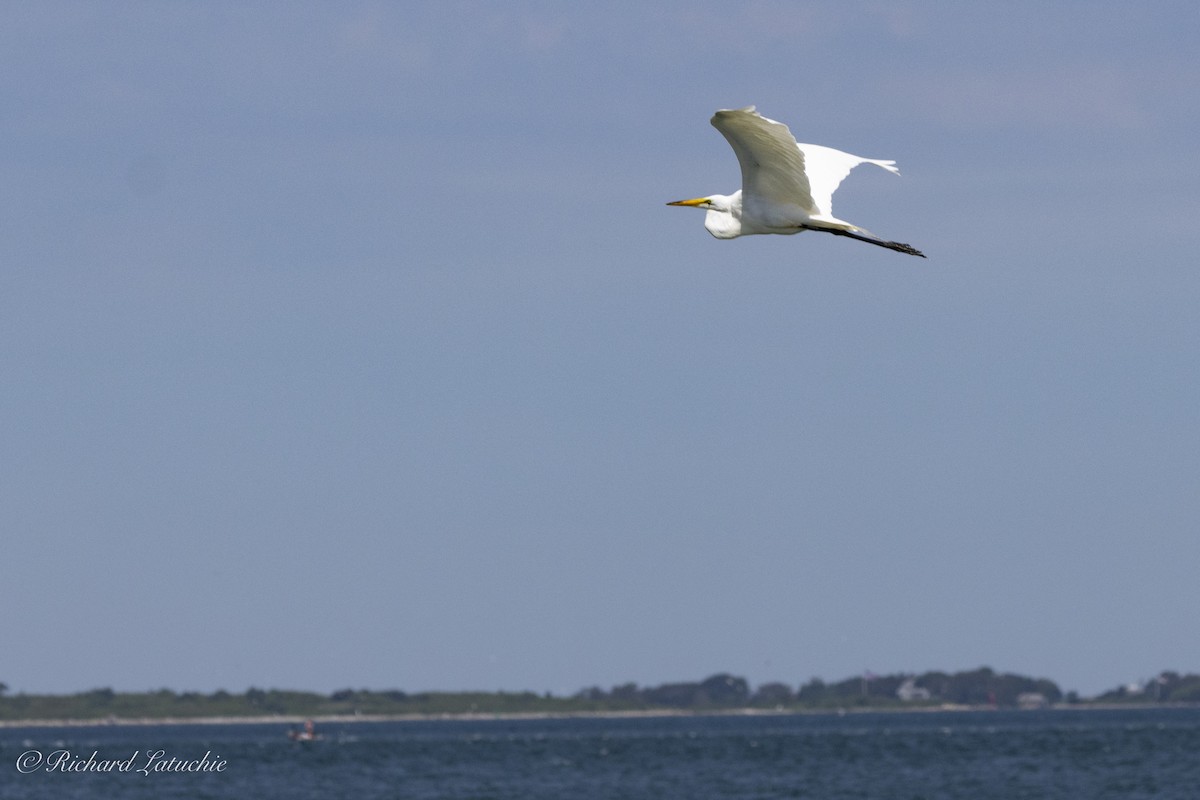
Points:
(787, 187)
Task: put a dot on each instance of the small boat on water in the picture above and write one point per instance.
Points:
(308, 734)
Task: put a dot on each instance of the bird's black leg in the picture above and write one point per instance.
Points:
(899, 247)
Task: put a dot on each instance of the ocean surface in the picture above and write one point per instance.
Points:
(1082, 755)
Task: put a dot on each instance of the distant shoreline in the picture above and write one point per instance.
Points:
(344, 719)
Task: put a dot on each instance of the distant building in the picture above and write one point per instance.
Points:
(909, 692)
(1032, 700)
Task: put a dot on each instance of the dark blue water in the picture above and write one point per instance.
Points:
(1082, 755)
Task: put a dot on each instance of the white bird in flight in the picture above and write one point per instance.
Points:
(787, 187)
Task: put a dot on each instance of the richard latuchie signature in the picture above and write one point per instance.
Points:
(150, 762)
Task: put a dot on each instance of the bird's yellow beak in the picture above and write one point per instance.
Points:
(697, 201)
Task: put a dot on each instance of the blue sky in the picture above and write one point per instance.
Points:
(353, 345)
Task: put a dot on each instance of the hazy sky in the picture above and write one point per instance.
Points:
(352, 345)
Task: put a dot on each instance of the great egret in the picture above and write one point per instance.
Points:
(787, 187)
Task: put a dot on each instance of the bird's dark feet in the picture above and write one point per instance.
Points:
(899, 247)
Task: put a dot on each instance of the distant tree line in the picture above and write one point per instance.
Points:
(718, 691)
(1168, 687)
(977, 688)
(981, 687)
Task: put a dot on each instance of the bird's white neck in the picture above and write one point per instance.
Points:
(724, 218)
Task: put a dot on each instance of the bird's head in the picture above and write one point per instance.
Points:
(724, 213)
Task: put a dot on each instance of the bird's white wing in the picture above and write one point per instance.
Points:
(773, 170)
(826, 168)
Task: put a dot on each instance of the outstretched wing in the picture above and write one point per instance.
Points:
(772, 163)
(826, 168)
